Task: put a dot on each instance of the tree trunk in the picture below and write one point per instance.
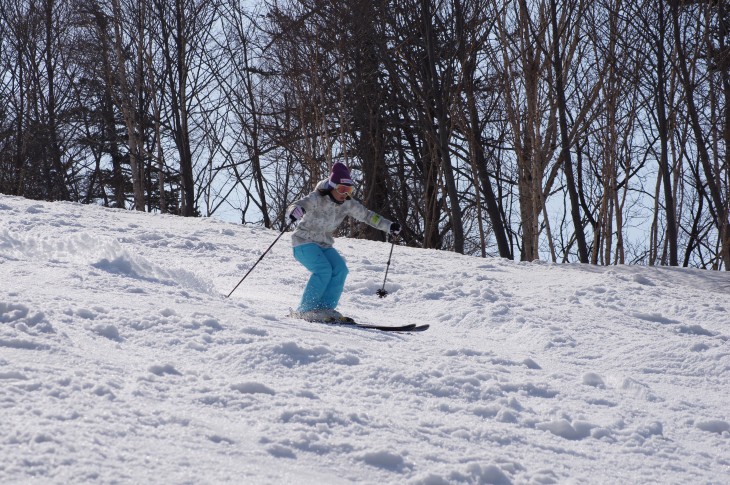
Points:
(564, 140)
(436, 91)
(664, 166)
(58, 189)
(180, 105)
(128, 109)
(467, 55)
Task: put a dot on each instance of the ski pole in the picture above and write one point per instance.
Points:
(382, 293)
(259, 260)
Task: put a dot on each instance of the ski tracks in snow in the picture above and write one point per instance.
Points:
(618, 394)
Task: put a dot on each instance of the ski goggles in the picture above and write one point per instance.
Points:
(344, 189)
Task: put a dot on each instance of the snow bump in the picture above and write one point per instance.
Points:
(714, 426)
(164, 369)
(385, 459)
(577, 430)
(253, 388)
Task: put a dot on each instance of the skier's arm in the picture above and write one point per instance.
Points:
(305, 204)
(371, 218)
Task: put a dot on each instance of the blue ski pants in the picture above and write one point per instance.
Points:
(327, 281)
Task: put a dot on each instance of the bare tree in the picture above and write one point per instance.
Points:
(131, 87)
(716, 199)
(36, 86)
(243, 141)
(565, 142)
(529, 110)
(473, 29)
(185, 30)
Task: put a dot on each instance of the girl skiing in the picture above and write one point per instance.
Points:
(319, 214)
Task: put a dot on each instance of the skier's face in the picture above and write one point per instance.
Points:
(341, 192)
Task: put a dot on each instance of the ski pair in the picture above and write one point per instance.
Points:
(344, 321)
(411, 327)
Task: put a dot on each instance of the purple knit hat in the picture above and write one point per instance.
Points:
(340, 175)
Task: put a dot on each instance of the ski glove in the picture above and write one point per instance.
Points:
(395, 228)
(297, 213)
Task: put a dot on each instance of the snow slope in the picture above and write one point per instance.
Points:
(122, 361)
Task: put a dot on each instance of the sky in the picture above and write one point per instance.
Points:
(122, 361)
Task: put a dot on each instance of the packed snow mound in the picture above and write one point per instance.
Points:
(121, 360)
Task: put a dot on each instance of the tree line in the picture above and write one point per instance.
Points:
(526, 129)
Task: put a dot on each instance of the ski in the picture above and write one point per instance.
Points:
(411, 327)
(350, 322)
(383, 328)
(367, 326)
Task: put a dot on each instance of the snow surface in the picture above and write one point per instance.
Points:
(122, 361)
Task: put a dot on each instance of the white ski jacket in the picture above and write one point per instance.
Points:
(323, 216)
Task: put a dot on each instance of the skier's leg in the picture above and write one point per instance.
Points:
(312, 257)
(332, 293)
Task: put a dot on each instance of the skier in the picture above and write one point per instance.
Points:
(319, 214)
